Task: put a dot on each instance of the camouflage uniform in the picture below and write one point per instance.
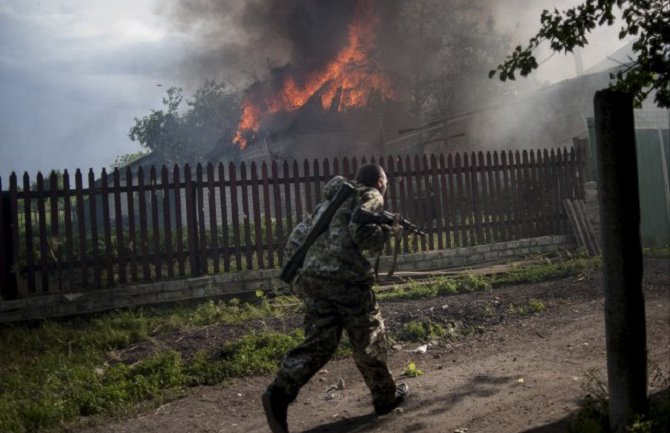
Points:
(335, 284)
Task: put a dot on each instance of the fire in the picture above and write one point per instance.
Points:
(353, 70)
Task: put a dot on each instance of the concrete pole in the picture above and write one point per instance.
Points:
(622, 258)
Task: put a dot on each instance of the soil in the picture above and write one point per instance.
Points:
(503, 370)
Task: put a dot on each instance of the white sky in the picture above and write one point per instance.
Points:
(74, 74)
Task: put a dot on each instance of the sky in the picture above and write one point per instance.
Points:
(75, 73)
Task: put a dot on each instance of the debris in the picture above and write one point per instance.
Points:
(520, 380)
(397, 347)
(421, 349)
(398, 410)
(324, 371)
(445, 306)
(461, 430)
(340, 384)
(329, 396)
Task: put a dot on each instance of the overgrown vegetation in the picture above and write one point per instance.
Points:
(592, 416)
(53, 372)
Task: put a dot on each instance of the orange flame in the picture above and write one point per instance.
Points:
(353, 70)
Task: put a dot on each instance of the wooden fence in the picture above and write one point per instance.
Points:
(129, 227)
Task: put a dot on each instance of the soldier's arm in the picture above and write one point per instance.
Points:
(370, 236)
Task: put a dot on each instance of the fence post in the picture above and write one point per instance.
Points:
(7, 260)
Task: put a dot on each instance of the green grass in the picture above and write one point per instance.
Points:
(54, 372)
(421, 331)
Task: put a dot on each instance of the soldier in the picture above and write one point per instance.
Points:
(335, 284)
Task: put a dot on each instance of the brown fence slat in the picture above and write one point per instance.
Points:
(436, 201)
(255, 201)
(298, 196)
(42, 233)
(69, 238)
(107, 228)
(132, 236)
(178, 221)
(191, 222)
(118, 225)
(491, 213)
(279, 224)
(81, 227)
(213, 229)
(287, 198)
(167, 222)
(93, 219)
(393, 192)
(421, 199)
(244, 184)
(203, 257)
(402, 204)
(267, 212)
(5, 237)
(309, 205)
(54, 221)
(235, 215)
(144, 233)
(155, 224)
(27, 216)
(224, 218)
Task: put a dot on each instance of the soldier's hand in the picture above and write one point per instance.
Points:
(396, 228)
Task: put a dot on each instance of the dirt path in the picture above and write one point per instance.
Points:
(522, 373)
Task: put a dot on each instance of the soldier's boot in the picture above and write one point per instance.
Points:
(275, 404)
(401, 392)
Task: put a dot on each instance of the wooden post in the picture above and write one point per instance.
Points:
(8, 261)
(622, 258)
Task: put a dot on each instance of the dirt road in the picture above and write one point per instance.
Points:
(514, 371)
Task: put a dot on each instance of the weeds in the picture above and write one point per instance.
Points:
(411, 370)
(421, 331)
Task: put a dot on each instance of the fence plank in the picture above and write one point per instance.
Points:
(213, 229)
(178, 221)
(490, 200)
(393, 192)
(191, 222)
(436, 201)
(476, 186)
(402, 204)
(54, 220)
(248, 253)
(203, 257)
(235, 215)
(309, 204)
(298, 196)
(420, 201)
(144, 234)
(42, 233)
(15, 291)
(155, 224)
(118, 227)
(69, 238)
(459, 196)
(279, 224)
(81, 226)
(5, 237)
(267, 213)
(287, 198)
(167, 222)
(256, 212)
(132, 235)
(224, 218)
(317, 182)
(107, 228)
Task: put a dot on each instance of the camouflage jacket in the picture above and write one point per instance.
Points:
(337, 255)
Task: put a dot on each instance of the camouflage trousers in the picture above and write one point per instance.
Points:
(330, 309)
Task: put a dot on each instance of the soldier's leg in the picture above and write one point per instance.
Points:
(368, 340)
(323, 330)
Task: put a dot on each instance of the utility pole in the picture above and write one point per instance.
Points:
(618, 194)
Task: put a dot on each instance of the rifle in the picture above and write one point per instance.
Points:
(321, 224)
(362, 216)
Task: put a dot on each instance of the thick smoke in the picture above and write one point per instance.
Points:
(238, 39)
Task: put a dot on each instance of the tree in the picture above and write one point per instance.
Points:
(210, 120)
(646, 20)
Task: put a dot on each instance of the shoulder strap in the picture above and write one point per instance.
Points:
(321, 224)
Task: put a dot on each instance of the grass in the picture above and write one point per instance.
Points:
(592, 416)
(580, 267)
(54, 372)
(421, 331)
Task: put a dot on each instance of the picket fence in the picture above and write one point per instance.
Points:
(135, 226)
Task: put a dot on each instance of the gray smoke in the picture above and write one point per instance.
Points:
(242, 39)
